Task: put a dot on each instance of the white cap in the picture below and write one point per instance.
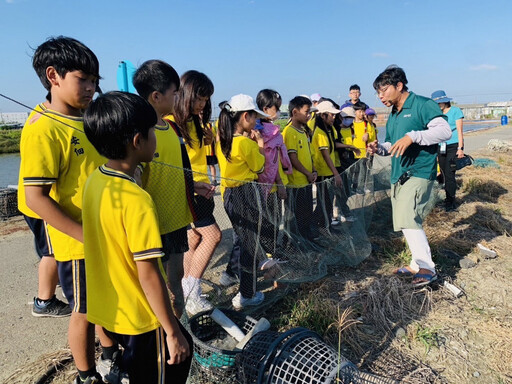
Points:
(243, 102)
(348, 112)
(326, 106)
(315, 97)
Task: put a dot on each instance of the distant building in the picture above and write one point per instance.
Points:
(13, 117)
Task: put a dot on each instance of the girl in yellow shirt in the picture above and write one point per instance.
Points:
(241, 159)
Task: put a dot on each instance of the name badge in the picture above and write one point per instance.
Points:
(442, 149)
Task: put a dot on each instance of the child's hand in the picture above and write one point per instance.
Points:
(356, 151)
(372, 147)
(208, 136)
(178, 348)
(312, 177)
(256, 136)
(281, 192)
(337, 180)
(204, 189)
(365, 137)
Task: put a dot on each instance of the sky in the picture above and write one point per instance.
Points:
(292, 46)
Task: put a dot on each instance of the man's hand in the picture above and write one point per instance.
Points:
(204, 189)
(178, 348)
(400, 146)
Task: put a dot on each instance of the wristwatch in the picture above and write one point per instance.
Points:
(460, 148)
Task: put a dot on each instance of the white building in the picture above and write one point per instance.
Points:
(13, 117)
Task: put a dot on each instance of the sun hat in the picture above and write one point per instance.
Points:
(326, 106)
(440, 97)
(348, 112)
(315, 97)
(369, 112)
(243, 102)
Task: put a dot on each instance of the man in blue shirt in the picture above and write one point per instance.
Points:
(414, 128)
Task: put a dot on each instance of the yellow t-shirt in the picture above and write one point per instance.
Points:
(210, 149)
(360, 128)
(296, 141)
(55, 151)
(164, 179)
(312, 121)
(337, 162)
(197, 155)
(245, 164)
(120, 227)
(346, 136)
(319, 142)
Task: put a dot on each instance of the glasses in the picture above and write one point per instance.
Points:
(382, 90)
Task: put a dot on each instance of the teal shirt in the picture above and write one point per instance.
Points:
(419, 160)
(454, 114)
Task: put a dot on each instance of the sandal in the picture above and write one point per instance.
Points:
(403, 272)
(428, 279)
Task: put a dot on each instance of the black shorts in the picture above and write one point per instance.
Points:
(212, 160)
(72, 281)
(145, 357)
(204, 211)
(174, 242)
(42, 241)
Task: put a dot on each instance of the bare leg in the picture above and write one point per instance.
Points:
(174, 271)
(81, 341)
(48, 278)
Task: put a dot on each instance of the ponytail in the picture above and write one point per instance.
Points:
(227, 125)
(319, 122)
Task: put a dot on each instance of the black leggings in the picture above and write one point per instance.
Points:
(447, 166)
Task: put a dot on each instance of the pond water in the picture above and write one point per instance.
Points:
(10, 163)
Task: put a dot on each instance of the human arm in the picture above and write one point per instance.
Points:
(281, 190)
(154, 288)
(311, 176)
(258, 138)
(327, 158)
(204, 189)
(38, 200)
(356, 150)
(438, 130)
(208, 136)
(460, 149)
(381, 149)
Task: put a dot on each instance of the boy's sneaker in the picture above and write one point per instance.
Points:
(197, 304)
(110, 371)
(335, 222)
(239, 302)
(226, 280)
(96, 379)
(51, 308)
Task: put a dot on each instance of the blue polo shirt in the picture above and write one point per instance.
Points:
(454, 114)
(419, 160)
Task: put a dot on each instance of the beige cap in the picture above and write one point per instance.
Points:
(348, 112)
(326, 106)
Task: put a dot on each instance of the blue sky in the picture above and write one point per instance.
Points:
(293, 46)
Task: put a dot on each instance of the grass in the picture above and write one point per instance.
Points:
(10, 141)
(427, 336)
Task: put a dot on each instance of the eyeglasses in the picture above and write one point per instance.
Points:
(382, 90)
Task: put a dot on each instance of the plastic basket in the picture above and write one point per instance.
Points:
(212, 364)
(8, 203)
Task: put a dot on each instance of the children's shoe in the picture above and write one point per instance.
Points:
(239, 302)
(197, 304)
(96, 379)
(110, 371)
(335, 222)
(51, 308)
(226, 280)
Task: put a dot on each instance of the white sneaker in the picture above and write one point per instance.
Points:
(226, 280)
(240, 302)
(110, 371)
(335, 222)
(197, 304)
(350, 218)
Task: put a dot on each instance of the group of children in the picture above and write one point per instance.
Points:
(117, 193)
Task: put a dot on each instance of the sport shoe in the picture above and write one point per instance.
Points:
(197, 304)
(239, 302)
(335, 222)
(110, 371)
(51, 308)
(96, 379)
(227, 280)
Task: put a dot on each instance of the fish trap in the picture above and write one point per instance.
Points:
(8, 203)
(214, 361)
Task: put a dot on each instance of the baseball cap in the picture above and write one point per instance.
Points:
(348, 112)
(241, 102)
(370, 112)
(315, 97)
(326, 106)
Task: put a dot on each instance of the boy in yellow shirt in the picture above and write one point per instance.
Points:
(126, 292)
(56, 159)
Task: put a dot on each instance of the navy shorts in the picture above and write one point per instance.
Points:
(72, 281)
(174, 242)
(204, 211)
(145, 357)
(42, 241)
(212, 160)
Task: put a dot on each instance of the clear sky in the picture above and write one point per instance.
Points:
(293, 46)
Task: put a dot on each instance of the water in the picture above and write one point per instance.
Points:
(10, 163)
(9, 169)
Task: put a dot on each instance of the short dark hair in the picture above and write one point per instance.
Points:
(298, 102)
(65, 54)
(392, 75)
(268, 98)
(155, 75)
(114, 118)
(354, 87)
(359, 106)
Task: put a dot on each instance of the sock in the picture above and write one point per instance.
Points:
(107, 353)
(42, 303)
(85, 374)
